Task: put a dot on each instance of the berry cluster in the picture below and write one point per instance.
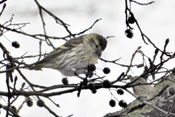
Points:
(121, 103)
(29, 102)
(130, 20)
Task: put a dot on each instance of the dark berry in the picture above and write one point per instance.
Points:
(131, 20)
(94, 91)
(120, 91)
(171, 91)
(92, 88)
(106, 83)
(122, 103)
(112, 103)
(106, 70)
(15, 44)
(29, 102)
(91, 67)
(129, 33)
(65, 81)
(40, 103)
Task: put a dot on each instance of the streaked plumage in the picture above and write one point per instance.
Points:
(74, 55)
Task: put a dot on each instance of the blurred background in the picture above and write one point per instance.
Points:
(156, 21)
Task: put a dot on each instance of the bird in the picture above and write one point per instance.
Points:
(73, 57)
(143, 89)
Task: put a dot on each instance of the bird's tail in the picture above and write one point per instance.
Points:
(34, 66)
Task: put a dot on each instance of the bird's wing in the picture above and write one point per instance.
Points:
(62, 49)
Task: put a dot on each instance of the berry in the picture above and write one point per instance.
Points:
(106, 70)
(91, 67)
(15, 44)
(65, 81)
(112, 103)
(120, 91)
(29, 102)
(171, 91)
(129, 33)
(131, 20)
(92, 88)
(94, 91)
(122, 103)
(40, 103)
(106, 84)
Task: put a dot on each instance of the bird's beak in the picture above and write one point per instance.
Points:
(98, 52)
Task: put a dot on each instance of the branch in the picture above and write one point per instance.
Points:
(148, 3)
(58, 20)
(35, 36)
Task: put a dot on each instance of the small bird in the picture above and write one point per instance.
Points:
(75, 55)
(146, 91)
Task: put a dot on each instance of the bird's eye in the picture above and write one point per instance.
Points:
(96, 46)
